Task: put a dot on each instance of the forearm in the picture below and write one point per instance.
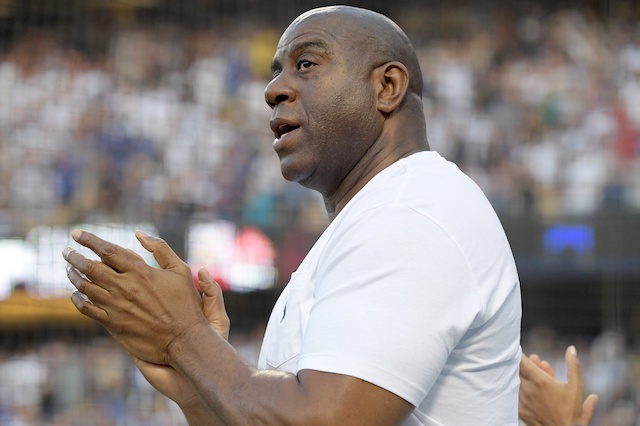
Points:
(199, 415)
(234, 391)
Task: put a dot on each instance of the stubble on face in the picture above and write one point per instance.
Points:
(338, 104)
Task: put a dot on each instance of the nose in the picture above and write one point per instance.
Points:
(278, 91)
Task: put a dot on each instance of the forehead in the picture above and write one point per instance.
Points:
(319, 31)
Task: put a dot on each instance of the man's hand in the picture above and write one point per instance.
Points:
(165, 378)
(546, 401)
(142, 307)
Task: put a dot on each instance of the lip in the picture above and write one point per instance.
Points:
(283, 129)
(280, 142)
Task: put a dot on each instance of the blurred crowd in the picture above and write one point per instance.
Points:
(546, 117)
(170, 125)
(65, 383)
(71, 382)
(92, 382)
(166, 125)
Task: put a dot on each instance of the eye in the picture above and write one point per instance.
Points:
(304, 64)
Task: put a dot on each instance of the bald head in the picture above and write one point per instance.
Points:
(374, 38)
(346, 100)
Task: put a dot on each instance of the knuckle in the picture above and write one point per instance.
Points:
(89, 268)
(129, 293)
(184, 268)
(97, 273)
(85, 309)
(161, 242)
(108, 250)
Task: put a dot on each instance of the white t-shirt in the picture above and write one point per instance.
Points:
(412, 287)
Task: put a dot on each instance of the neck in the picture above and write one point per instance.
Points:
(394, 143)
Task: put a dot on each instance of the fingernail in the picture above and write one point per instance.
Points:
(572, 350)
(77, 299)
(142, 234)
(66, 251)
(75, 234)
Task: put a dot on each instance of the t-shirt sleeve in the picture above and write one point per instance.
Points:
(394, 295)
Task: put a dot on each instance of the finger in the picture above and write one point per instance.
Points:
(535, 359)
(95, 271)
(92, 291)
(543, 365)
(118, 258)
(84, 305)
(528, 369)
(547, 368)
(164, 255)
(146, 368)
(574, 371)
(211, 289)
(213, 301)
(588, 408)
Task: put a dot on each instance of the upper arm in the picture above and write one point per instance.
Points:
(346, 400)
(390, 309)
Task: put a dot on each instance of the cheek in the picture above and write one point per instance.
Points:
(358, 115)
(349, 110)
(347, 129)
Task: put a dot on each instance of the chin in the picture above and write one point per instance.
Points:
(292, 170)
(292, 174)
(303, 176)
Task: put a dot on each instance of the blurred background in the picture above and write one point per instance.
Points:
(149, 114)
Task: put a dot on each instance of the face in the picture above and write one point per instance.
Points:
(324, 115)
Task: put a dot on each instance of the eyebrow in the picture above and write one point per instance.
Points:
(295, 48)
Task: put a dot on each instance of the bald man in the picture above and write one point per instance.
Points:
(405, 311)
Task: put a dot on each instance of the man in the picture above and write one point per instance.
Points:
(406, 310)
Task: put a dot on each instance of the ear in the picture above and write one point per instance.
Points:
(392, 81)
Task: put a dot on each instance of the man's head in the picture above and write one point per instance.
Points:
(375, 38)
(346, 85)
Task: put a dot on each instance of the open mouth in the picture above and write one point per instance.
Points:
(284, 129)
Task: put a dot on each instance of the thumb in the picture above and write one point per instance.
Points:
(164, 255)
(588, 408)
(211, 289)
(574, 371)
(213, 303)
